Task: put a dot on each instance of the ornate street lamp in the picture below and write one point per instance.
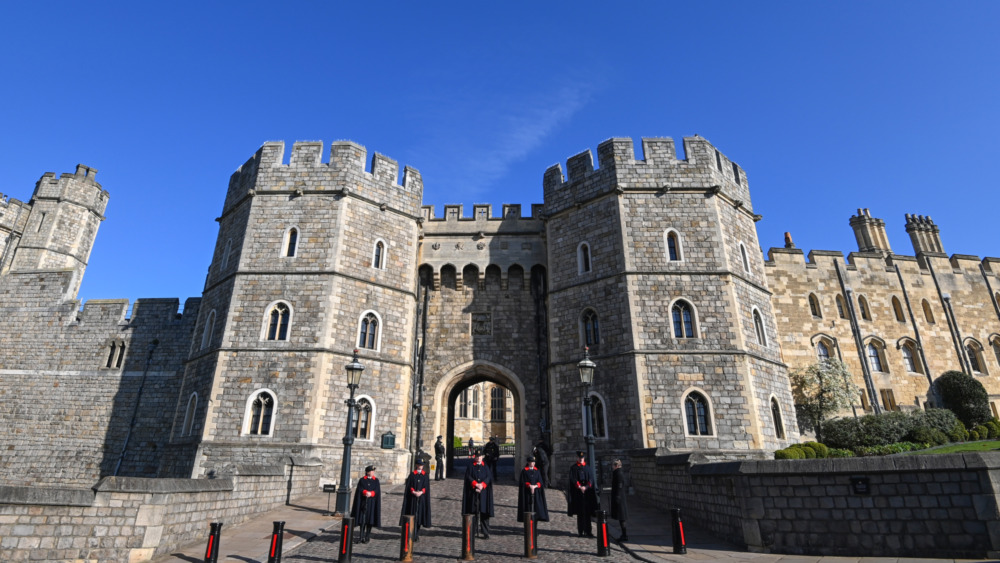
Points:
(354, 370)
(586, 367)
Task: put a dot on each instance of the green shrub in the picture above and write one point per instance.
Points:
(958, 433)
(927, 435)
(456, 442)
(809, 452)
(964, 396)
(983, 431)
(786, 453)
(942, 419)
(821, 450)
(837, 452)
(887, 449)
(973, 435)
(994, 429)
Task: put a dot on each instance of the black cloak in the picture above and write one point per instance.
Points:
(619, 490)
(477, 473)
(367, 509)
(417, 506)
(533, 476)
(581, 502)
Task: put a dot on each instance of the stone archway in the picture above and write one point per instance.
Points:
(459, 378)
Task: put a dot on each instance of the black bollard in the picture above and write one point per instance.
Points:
(603, 549)
(469, 537)
(212, 553)
(274, 556)
(530, 536)
(406, 537)
(678, 531)
(346, 537)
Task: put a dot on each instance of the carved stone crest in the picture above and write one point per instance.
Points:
(482, 324)
(436, 246)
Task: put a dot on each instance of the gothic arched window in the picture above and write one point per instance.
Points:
(683, 319)
(291, 242)
(928, 313)
(909, 351)
(779, 428)
(261, 413)
(743, 255)
(498, 404)
(192, 407)
(208, 330)
(368, 331)
(591, 328)
(841, 307)
(863, 308)
(378, 256)
(673, 246)
(897, 309)
(598, 420)
(875, 357)
(822, 351)
(363, 424)
(758, 326)
(699, 421)
(583, 258)
(277, 322)
(814, 306)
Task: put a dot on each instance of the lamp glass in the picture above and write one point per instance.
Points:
(354, 370)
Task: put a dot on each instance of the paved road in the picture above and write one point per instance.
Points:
(558, 540)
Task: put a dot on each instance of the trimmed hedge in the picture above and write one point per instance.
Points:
(891, 428)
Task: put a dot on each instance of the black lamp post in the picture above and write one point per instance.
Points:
(354, 370)
(586, 367)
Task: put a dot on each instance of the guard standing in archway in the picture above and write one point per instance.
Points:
(477, 494)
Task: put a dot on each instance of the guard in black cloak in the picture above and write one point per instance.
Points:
(417, 499)
(542, 457)
(477, 493)
(531, 493)
(367, 511)
(619, 501)
(582, 495)
(491, 454)
(439, 459)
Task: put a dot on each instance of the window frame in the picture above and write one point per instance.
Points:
(709, 417)
(814, 308)
(187, 428)
(758, 326)
(603, 415)
(908, 349)
(584, 258)
(248, 413)
(928, 312)
(266, 325)
(744, 257)
(976, 357)
(675, 235)
(380, 258)
(694, 320)
(355, 431)
(864, 308)
(776, 419)
(378, 334)
(585, 333)
(841, 306)
(879, 349)
(208, 331)
(897, 309)
(289, 247)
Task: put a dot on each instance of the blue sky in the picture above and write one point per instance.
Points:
(827, 106)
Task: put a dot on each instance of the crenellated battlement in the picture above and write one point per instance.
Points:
(305, 170)
(79, 187)
(481, 212)
(702, 168)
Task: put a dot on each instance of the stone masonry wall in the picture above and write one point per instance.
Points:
(126, 519)
(911, 506)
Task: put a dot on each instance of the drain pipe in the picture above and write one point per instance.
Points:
(138, 399)
(935, 400)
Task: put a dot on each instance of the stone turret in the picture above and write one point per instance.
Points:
(60, 230)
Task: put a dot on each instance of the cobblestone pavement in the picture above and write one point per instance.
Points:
(557, 539)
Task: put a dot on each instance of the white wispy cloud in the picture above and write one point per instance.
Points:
(474, 142)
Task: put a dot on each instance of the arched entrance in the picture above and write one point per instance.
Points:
(451, 385)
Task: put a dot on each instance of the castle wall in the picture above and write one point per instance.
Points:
(875, 278)
(339, 211)
(483, 326)
(68, 413)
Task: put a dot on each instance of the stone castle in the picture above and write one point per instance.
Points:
(652, 263)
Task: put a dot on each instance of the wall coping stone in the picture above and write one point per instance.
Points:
(158, 485)
(260, 470)
(977, 460)
(46, 496)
